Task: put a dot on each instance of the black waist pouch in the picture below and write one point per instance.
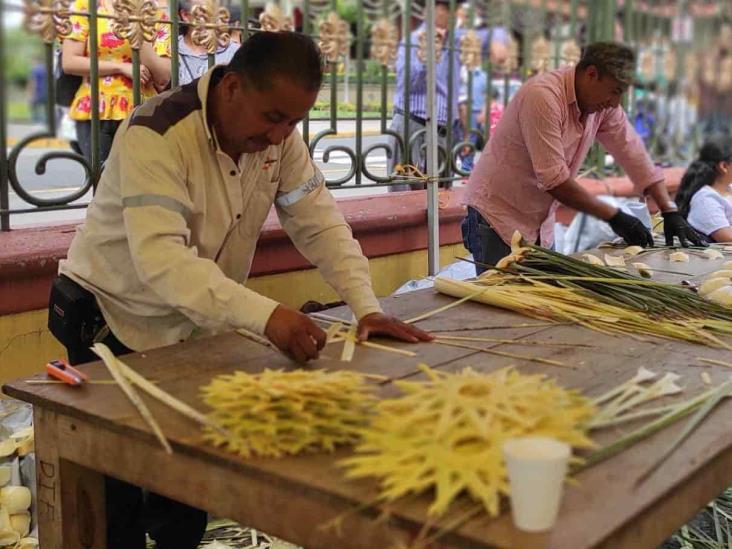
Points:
(73, 315)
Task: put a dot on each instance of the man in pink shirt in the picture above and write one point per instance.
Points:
(538, 147)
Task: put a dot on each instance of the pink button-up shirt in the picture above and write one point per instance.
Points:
(539, 144)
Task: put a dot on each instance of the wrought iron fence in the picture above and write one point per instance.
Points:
(508, 40)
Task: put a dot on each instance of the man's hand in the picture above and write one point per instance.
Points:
(674, 224)
(380, 324)
(631, 229)
(294, 334)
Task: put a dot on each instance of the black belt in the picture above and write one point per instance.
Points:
(441, 130)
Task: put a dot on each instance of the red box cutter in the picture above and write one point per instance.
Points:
(60, 369)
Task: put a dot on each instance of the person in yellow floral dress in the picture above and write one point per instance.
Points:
(115, 73)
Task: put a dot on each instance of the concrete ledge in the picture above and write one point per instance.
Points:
(384, 225)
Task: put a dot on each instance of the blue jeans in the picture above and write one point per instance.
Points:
(482, 241)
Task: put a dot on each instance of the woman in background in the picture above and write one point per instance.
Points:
(193, 59)
(702, 195)
(115, 74)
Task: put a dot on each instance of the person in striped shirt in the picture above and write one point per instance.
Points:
(534, 156)
(416, 112)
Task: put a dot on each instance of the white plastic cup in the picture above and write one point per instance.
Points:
(536, 470)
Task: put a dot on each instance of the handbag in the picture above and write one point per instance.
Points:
(66, 85)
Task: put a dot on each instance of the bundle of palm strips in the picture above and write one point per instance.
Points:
(445, 434)
(546, 285)
(276, 413)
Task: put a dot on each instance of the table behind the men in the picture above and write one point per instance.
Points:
(83, 433)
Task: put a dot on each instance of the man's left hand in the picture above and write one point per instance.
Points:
(674, 224)
(381, 324)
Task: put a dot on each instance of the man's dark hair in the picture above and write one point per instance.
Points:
(288, 54)
(611, 59)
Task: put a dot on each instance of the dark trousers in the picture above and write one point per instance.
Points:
(107, 129)
(482, 241)
(132, 512)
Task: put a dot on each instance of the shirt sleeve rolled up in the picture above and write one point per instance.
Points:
(541, 129)
(310, 216)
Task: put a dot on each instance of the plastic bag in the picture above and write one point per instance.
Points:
(587, 232)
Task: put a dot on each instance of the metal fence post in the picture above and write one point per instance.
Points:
(452, 93)
(94, 81)
(360, 67)
(4, 188)
(174, 35)
(305, 30)
(407, 37)
(433, 222)
(245, 20)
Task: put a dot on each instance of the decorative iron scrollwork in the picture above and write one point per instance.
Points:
(709, 70)
(540, 54)
(647, 63)
(210, 24)
(335, 37)
(422, 46)
(273, 19)
(669, 64)
(135, 20)
(691, 65)
(49, 18)
(510, 62)
(470, 50)
(384, 42)
(40, 169)
(724, 80)
(570, 52)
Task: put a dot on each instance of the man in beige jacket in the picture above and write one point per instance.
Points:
(170, 235)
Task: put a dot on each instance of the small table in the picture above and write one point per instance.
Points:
(87, 432)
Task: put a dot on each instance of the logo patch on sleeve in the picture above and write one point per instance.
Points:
(304, 189)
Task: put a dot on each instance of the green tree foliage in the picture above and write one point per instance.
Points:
(22, 50)
(347, 10)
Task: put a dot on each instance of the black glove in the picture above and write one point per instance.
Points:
(674, 224)
(631, 229)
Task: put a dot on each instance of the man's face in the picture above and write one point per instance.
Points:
(254, 119)
(599, 92)
(442, 16)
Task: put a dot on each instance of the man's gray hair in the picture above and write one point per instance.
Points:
(611, 59)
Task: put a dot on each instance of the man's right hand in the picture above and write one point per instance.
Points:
(631, 229)
(294, 334)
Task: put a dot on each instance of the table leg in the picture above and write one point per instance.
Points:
(70, 498)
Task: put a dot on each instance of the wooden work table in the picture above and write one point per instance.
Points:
(84, 433)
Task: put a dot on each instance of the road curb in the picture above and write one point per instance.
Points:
(55, 143)
(45, 143)
(365, 133)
